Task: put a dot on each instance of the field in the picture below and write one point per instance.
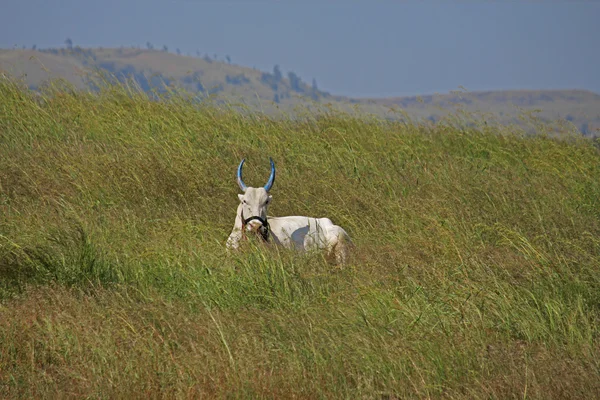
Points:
(476, 271)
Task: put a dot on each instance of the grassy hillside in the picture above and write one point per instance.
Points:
(475, 273)
(36, 67)
(153, 69)
(281, 92)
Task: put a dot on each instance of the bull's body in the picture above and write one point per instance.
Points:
(293, 232)
(301, 233)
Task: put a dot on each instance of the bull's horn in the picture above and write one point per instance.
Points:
(239, 177)
(269, 184)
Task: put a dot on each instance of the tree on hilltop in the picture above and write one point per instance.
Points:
(277, 73)
(295, 82)
(314, 94)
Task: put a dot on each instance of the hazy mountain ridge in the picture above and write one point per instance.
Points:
(277, 91)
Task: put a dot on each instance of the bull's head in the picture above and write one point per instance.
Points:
(254, 203)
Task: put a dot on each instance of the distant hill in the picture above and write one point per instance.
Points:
(580, 107)
(153, 68)
(276, 91)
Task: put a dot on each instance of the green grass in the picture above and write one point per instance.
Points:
(476, 272)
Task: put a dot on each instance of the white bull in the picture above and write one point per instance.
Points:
(301, 233)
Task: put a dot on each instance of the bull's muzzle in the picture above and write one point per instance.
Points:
(257, 226)
(254, 226)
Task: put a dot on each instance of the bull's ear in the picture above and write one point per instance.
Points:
(241, 197)
(269, 199)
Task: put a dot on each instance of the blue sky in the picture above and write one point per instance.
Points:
(356, 48)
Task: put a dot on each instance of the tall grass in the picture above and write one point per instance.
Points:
(476, 272)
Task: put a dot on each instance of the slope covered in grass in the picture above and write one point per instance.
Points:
(475, 274)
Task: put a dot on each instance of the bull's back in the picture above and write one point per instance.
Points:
(303, 233)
